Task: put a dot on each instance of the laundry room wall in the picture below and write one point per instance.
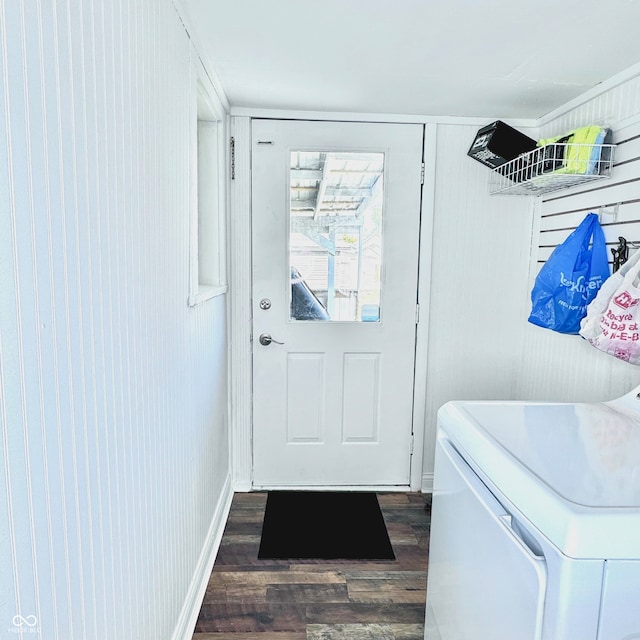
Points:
(566, 368)
(480, 265)
(487, 252)
(114, 471)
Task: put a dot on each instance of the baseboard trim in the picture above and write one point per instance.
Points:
(381, 488)
(427, 483)
(191, 608)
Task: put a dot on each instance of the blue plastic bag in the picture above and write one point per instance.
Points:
(570, 279)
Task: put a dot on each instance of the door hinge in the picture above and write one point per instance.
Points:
(422, 174)
(232, 155)
(417, 313)
(413, 438)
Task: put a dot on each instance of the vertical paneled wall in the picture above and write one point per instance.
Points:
(113, 421)
(567, 368)
(480, 343)
(479, 270)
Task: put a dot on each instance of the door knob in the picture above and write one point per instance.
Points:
(265, 340)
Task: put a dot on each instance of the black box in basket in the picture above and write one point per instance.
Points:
(498, 143)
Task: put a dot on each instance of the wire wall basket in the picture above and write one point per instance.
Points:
(552, 167)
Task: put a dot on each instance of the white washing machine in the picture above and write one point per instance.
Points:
(535, 529)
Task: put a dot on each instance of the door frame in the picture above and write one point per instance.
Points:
(240, 307)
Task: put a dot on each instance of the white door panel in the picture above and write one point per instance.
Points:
(333, 404)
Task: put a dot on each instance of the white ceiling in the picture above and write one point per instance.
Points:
(494, 58)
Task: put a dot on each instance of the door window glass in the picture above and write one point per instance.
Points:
(335, 235)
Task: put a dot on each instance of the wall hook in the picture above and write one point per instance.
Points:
(620, 253)
(602, 211)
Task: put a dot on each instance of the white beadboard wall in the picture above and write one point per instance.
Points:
(114, 476)
(566, 368)
(479, 266)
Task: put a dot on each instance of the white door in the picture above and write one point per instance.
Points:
(335, 229)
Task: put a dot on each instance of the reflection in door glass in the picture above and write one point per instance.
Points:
(335, 239)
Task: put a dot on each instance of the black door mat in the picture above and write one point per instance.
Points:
(324, 526)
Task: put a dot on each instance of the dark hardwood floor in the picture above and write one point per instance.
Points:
(251, 599)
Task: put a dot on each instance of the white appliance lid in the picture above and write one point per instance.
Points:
(587, 453)
(572, 469)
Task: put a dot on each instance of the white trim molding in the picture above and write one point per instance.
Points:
(384, 118)
(191, 607)
(378, 488)
(427, 216)
(240, 354)
(208, 188)
(206, 293)
(427, 483)
(208, 65)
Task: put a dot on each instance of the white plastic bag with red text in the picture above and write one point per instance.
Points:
(612, 323)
